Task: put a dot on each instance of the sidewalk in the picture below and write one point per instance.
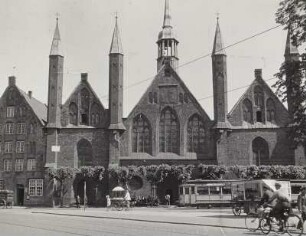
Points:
(188, 216)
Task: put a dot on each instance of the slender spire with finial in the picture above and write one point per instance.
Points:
(56, 47)
(218, 43)
(290, 48)
(116, 46)
(167, 16)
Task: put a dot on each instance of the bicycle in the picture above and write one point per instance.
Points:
(289, 223)
(252, 221)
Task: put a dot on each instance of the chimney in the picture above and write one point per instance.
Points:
(84, 76)
(258, 73)
(30, 94)
(12, 80)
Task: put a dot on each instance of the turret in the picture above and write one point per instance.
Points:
(291, 56)
(115, 96)
(56, 64)
(219, 70)
(116, 81)
(167, 43)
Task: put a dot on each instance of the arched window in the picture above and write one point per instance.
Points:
(196, 134)
(260, 151)
(247, 111)
(84, 106)
(141, 135)
(258, 96)
(73, 114)
(95, 117)
(270, 110)
(169, 132)
(84, 99)
(84, 149)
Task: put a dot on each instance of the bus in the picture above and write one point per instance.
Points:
(226, 192)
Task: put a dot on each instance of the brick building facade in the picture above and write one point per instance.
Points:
(167, 125)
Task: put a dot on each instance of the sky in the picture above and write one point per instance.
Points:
(86, 29)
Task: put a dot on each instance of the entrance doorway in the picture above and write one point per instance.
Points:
(20, 195)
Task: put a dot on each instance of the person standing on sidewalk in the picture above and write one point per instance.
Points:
(301, 202)
(108, 202)
(127, 199)
(167, 197)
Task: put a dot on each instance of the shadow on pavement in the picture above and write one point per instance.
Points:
(224, 216)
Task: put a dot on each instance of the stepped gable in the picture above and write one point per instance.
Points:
(169, 90)
(280, 116)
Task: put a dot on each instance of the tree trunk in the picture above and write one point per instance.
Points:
(62, 194)
(53, 192)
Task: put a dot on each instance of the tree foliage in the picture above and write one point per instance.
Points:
(153, 173)
(293, 13)
(290, 85)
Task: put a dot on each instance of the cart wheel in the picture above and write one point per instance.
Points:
(118, 206)
(9, 205)
(236, 210)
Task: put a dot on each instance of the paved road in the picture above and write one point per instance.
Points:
(142, 222)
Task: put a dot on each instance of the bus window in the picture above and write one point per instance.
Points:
(181, 190)
(192, 190)
(215, 190)
(187, 190)
(226, 190)
(295, 189)
(252, 190)
(203, 190)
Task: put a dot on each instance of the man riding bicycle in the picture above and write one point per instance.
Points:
(282, 203)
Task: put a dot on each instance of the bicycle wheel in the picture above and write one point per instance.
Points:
(118, 206)
(252, 222)
(236, 210)
(265, 225)
(294, 225)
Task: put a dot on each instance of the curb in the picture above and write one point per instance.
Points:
(140, 220)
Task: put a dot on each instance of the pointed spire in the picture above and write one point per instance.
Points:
(167, 17)
(116, 46)
(290, 48)
(56, 46)
(218, 43)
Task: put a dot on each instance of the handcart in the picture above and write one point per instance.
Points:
(6, 198)
(117, 198)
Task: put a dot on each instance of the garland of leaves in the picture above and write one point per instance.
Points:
(158, 173)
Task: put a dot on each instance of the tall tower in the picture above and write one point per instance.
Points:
(291, 56)
(167, 43)
(115, 95)
(219, 70)
(56, 64)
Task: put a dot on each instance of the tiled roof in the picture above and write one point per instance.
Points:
(39, 108)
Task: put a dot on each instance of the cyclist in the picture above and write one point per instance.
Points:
(266, 196)
(302, 202)
(282, 203)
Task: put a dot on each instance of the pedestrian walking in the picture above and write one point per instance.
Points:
(108, 202)
(127, 199)
(301, 202)
(167, 197)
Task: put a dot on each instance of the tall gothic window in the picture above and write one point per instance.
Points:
(270, 110)
(95, 117)
(169, 132)
(258, 96)
(196, 134)
(247, 111)
(73, 114)
(84, 106)
(85, 155)
(260, 151)
(141, 135)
